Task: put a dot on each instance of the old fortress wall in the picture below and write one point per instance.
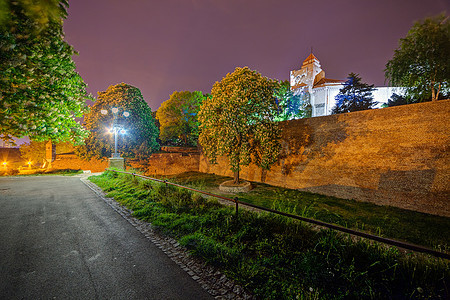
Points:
(397, 156)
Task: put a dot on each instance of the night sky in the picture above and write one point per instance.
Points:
(162, 46)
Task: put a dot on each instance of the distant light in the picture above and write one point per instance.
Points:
(126, 114)
(123, 131)
(4, 163)
(104, 112)
(29, 162)
(115, 110)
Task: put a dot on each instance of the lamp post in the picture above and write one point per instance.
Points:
(116, 160)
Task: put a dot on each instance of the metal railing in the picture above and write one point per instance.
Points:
(392, 242)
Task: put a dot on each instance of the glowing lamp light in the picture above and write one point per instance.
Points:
(4, 164)
(29, 163)
(116, 128)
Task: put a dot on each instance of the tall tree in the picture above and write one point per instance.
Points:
(290, 105)
(354, 96)
(41, 93)
(140, 126)
(178, 118)
(239, 121)
(41, 12)
(421, 63)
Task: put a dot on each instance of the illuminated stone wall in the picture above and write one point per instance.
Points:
(172, 163)
(73, 162)
(396, 156)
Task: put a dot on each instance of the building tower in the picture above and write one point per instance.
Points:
(309, 74)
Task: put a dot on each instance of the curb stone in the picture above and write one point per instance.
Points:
(208, 277)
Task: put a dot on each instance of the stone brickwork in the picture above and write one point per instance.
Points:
(73, 162)
(172, 163)
(50, 151)
(397, 156)
(116, 163)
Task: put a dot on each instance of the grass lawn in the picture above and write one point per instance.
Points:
(63, 172)
(275, 257)
(405, 225)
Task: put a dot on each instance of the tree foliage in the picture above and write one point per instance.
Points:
(178, 118)
(41, 93)
(290, 105)
(354, 96)
(140, 126)
(41, 12)
(421, 63)
(397, 100)
(239, 121)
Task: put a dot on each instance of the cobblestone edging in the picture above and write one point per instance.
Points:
(210, 278)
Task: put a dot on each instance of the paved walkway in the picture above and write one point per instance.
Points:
(59, 240)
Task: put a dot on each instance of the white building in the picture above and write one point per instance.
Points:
(5, 144)
(311, 78)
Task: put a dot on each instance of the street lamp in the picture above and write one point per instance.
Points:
(116, 128)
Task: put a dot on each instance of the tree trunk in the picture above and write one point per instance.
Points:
(438, 91)
(263, 175)
(184, 139)
(434, 96)
(236, 177)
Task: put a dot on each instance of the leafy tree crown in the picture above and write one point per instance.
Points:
(421, 63)
(239, 120)
(178, 118)
(140, 126)
(291, 105)
(41, 93)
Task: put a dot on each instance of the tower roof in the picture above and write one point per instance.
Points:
(310, 59)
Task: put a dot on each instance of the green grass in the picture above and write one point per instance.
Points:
(275, 257)
(63, 172)
(391, 222)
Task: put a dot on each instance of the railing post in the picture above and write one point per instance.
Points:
(237, 206)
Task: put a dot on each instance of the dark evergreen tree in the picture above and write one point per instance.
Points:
(354, 96)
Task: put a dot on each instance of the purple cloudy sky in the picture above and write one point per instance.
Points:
(161, 46)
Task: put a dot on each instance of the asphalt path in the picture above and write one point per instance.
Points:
(59, 240)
